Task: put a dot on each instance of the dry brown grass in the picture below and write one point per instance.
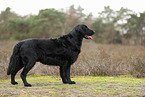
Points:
(98, 59)
(5, 52)
(95, 59)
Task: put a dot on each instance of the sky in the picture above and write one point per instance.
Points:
(27, 7)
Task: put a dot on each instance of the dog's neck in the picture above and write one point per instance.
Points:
(76, 38)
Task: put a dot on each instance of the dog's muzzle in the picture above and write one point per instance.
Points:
(88, 37)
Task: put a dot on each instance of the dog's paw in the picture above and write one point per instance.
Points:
(65, 82)
(14, 83)
(72, 82)
(28, 85)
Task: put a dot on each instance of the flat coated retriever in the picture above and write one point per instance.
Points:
(62, 51)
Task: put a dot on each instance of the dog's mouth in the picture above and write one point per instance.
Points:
(88, 37)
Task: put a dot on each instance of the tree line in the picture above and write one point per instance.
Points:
(123, 26)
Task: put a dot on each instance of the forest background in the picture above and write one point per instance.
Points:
(122, 26)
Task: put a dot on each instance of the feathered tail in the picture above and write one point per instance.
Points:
(15, 58)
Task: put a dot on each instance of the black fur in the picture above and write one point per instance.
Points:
(62, 51)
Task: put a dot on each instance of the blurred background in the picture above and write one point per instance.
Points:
(118, 43)
(113, 21)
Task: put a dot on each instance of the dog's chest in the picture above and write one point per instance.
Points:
(73, 54)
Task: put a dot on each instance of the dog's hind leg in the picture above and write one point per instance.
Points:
(26, 69)
(14, 73)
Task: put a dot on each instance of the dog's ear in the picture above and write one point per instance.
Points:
(83, 28)
(77, 29)
(80, 28)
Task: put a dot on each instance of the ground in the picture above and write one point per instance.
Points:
(86, 86)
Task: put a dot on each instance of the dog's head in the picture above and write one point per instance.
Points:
(85, 31)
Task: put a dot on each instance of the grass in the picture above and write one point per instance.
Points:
(87, 86)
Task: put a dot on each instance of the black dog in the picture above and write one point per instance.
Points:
(62, 51)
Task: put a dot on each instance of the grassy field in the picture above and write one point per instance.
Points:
(87, 86)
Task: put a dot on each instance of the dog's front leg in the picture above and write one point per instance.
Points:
(67, 74)
(62, 74)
